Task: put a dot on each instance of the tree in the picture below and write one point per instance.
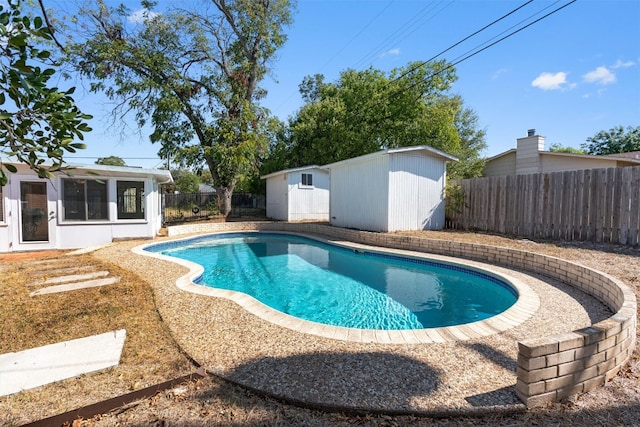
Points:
(613, 141)
(367, 111)
(559, 148)
(111, 161)
(194, 76)
(40, 122)
(472, 144)
(185, 181)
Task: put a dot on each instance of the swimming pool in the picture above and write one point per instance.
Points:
(340, 286)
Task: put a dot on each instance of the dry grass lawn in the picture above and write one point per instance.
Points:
(150, 355)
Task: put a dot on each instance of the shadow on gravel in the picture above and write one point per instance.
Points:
(367, 381)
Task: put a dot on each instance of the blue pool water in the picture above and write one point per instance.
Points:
(341, 287)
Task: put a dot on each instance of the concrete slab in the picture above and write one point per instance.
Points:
(55, 362)
(76, 277)
(75, 285)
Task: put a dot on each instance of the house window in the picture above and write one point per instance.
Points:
(307, 179)
(84, 200)
(1, 206)
(130, 199)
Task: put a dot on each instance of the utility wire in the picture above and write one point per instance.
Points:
(462, 41)
(464, 58)
(421, 18)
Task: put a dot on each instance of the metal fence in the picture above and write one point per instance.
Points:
(183, 207)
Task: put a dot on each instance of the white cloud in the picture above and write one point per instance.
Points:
(499, 73)
(620, 64)
(550, 81)
(601, 75)
(394, 52)
(141, 15)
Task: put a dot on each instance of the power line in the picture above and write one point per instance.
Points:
(359, 114)
(405, 31)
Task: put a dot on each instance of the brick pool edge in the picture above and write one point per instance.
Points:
(550, 368)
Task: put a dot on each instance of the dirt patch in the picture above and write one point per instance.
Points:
(29, 256)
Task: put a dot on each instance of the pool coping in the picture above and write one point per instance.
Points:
(525, 306)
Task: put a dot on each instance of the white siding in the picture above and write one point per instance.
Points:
(359, 194)
(309, 203)
(277, 203)
(416, 188)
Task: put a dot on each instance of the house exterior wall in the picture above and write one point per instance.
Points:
(416, 192)
(72, 234)
(359, 195)
(308, 202)
(556, 163)
(504, 165)
(277, 198)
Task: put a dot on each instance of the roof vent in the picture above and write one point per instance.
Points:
(531, 132)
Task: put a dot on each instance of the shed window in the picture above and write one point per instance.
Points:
(307, 179)
(130, 199)
(84, 200)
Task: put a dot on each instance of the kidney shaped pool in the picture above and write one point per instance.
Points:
(340, 286)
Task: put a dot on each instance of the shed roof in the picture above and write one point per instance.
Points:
(433, 152)
(300, 169)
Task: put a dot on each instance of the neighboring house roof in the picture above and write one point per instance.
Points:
(206, 188)
(425, 148)
(634, 155)
(504, 153)
(631, 161)
(300, 169)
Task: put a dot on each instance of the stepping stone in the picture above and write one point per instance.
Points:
(74, 277)
(76, 285)
(43, 365)
(63, 270)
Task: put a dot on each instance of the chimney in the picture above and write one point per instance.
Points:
(528, 153)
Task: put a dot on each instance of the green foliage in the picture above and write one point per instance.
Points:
(366, 111)
(615, 140)
(472, 144)
(193, 75)
(185, 181)
(454, 200)
(37, 122)
(559, 148)
(111, 161)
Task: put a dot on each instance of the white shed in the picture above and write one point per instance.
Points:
(90, 206)
(390, 190)
(298, 194)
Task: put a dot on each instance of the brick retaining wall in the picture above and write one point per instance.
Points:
(549, 368)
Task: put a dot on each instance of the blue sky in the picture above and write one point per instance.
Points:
(568, 76)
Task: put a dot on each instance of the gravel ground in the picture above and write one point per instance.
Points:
(430, 379)
(452, 384)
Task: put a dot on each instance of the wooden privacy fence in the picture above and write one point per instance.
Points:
(599, 205)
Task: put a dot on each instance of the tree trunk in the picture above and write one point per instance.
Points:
(224, 199)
